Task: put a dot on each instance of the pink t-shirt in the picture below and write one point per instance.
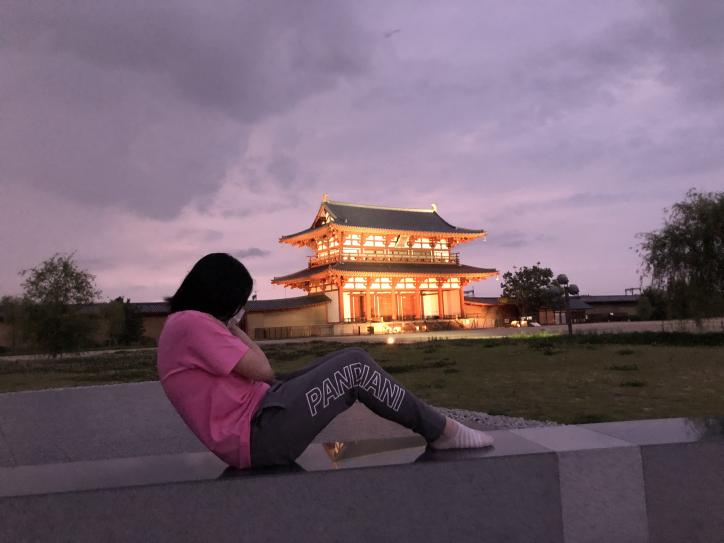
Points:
(196, 356)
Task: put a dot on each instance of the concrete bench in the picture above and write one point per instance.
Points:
(658, 480)
(117, 462)
(119, 421)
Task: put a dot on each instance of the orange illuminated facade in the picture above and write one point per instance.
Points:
(384, 264)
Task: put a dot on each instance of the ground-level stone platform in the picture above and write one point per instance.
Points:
(97, 467)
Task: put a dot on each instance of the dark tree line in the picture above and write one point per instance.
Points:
(532, 288)
(528, 288)
(58, 313)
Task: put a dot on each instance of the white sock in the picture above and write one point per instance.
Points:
(462, 438)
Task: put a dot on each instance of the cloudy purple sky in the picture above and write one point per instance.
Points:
(143, 135)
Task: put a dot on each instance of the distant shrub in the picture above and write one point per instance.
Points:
(623, 367)
(146, 341)
(681, 339)
(590, 419)
(406, 368)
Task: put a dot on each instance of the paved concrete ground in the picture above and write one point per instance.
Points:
(708, 325)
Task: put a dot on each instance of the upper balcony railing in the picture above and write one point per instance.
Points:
(406, 256)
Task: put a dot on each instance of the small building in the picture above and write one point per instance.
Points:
(287, 317)
(154, 316)
(489, 312)
(613, 307)
(578, 309)
(586, 308)
(383, 264)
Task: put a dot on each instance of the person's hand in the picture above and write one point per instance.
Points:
(238, 332)
(254, 364)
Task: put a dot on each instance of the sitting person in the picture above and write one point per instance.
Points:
(222, 385)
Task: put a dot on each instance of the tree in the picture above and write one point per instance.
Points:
(527, 288)
(113, 318)
(133, 329)
(644, 308)
(14, 313)
(560, 291)
(55, 292)
(652, 305)
(125, 323)
(685, 258)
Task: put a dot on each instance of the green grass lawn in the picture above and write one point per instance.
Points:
(569, 380)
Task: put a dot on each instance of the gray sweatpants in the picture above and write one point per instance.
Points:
(297, 407)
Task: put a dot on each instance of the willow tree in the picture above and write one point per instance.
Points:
(685, 258)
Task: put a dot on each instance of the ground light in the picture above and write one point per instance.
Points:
(390, 340)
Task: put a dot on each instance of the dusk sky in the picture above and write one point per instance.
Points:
(143, 135)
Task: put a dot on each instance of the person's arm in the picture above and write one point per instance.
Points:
(253, 364)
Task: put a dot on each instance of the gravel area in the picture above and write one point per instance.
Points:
(484, 421)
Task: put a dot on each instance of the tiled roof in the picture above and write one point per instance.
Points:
(574, 302)
(611, 299)
(162, 308)
(151, 308)
(253, 306)
(388, 218)
(578, 304)
(426, 220)
(401, 269)
(487, 300)
(144, 308)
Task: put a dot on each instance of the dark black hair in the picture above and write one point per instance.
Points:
(218, 284)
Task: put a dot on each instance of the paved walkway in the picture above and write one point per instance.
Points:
(84, 354)
(707, 325)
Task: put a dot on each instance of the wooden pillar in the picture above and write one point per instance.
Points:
(440, 300)
(394, 299)
(418, 300)
(362, 240)
(462, 298)
(368, 301)
(340, 287)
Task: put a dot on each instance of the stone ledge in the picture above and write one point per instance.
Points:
(516, 495)
(132, 470)
(567, 483)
